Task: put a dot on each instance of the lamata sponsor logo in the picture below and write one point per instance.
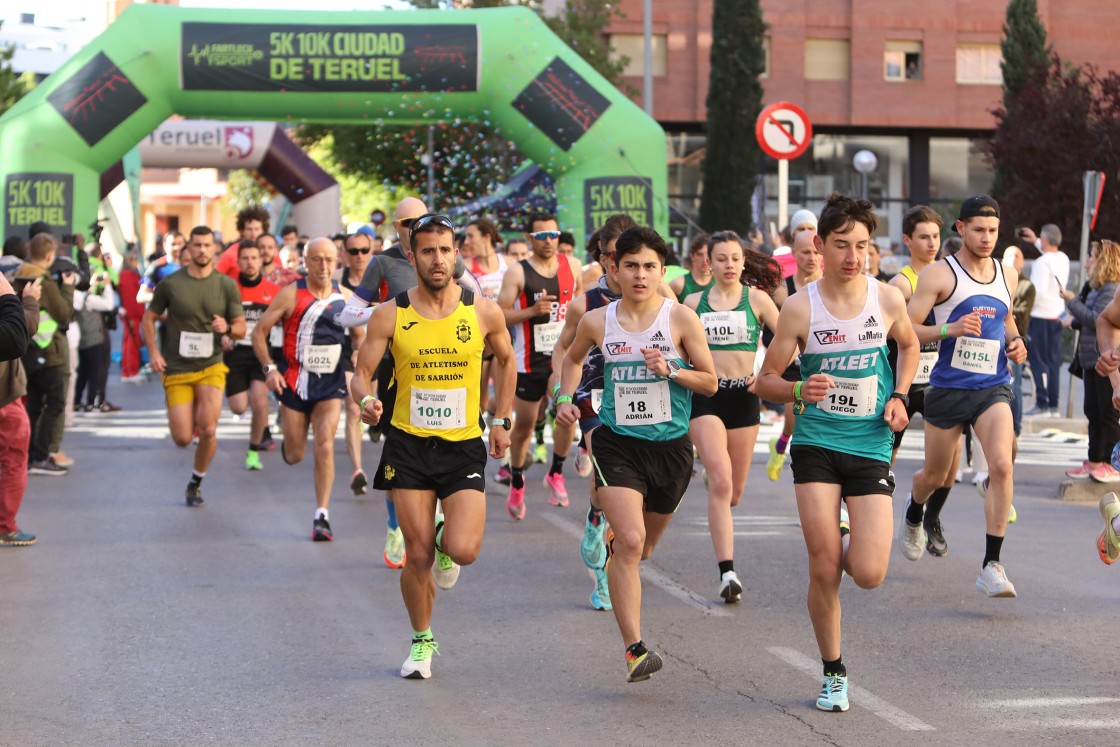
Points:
(618, 348)
(830, 336)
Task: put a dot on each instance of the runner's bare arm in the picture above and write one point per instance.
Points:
(577, 275)
(764, 308)
(901, 331)
(793, 325)
(503, 370)
(1108, 336)
(935, 283)
(693, 341)
(1016, 347)
(576, 310)
(379, 332)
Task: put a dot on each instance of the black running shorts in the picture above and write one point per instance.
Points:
(856, 475)
(732, 403)
(659, 470)
(412, 463)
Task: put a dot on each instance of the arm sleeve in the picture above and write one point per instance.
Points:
(13, 328)
(356, 312)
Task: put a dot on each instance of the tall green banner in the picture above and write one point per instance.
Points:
(502, 66)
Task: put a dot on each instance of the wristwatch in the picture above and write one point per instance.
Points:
(674, 369)
(506, 423)
(268, 368)
(900, 396)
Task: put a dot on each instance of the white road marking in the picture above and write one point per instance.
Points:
(858, 695)
(1048, 702)
(654, 576)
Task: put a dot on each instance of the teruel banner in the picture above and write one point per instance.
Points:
(283, 57)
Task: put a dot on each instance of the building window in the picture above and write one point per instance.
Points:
(902, 60)
(827, 59)
(632, 46)
(979, 63)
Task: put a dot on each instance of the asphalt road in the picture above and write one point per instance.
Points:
(135, 620)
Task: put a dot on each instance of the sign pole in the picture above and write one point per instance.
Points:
(783, 191)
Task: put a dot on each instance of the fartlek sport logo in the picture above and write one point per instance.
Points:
(225, 55)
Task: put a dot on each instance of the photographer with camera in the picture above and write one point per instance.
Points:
(47, 358)
(19, 319)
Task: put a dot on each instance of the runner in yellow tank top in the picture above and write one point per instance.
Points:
(434, 450)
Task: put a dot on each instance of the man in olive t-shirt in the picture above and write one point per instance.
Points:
(201, 305)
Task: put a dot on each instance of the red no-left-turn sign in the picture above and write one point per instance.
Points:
(783, 130)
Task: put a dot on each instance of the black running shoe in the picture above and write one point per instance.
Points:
(321, 530)
(359, 482)
(935, 539)
(266, 444)
(374, 433)
(194, 495)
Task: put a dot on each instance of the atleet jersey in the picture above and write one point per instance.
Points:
(736, 329)
(637, 402)
(973, 362)
(191, 304)
(854, 353)
(928, 354)
(313, 341)
(535, 338)
(437, 367)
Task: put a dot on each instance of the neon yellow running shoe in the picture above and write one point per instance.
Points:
(776, 462)
(253, 460)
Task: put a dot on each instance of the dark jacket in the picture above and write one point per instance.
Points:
(58, 301)
(13, 380)
(1086, 313)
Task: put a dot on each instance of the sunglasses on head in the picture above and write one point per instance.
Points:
(431, 219)
(545, 235)
(355, 252)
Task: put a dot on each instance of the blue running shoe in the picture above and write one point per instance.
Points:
(591, 548)
(601, 597)
(834, 694)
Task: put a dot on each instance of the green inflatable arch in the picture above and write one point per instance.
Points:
(502, 66)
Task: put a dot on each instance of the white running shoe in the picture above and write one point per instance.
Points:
(583, 462)
(730, 589)
(418, 665)
(993, 581)
(911, 537)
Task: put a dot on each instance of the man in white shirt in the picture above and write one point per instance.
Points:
(1049, 275)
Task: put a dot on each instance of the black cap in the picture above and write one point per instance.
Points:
(980, 206)
(37, 228)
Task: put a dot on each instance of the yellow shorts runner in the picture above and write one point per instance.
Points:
(179, 388)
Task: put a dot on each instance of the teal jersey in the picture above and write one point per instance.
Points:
(854, 353)
(637, 402)
(736, 329)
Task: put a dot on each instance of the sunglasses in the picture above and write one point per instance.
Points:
(404, 222)
(356, 252)
(545, 235)
(431, 219)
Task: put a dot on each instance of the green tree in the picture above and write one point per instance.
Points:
(734, 101)
(1026, 55)
(13, 86)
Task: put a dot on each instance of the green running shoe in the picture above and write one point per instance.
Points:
(253, 460)
(418, 665)
(776, 462)
(834, 694)
(642, 666)
(540, 454)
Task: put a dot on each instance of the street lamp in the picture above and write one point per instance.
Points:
(864, 162)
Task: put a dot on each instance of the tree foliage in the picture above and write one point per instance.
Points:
(13, 86)
(1068, 122)
(1024, 50)
(471, 158)
(734, 102)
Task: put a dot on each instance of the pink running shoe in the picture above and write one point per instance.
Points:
(1079, 473)
(515, 504)
(557, 489)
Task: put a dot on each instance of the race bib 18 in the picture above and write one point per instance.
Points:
(642, 404)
